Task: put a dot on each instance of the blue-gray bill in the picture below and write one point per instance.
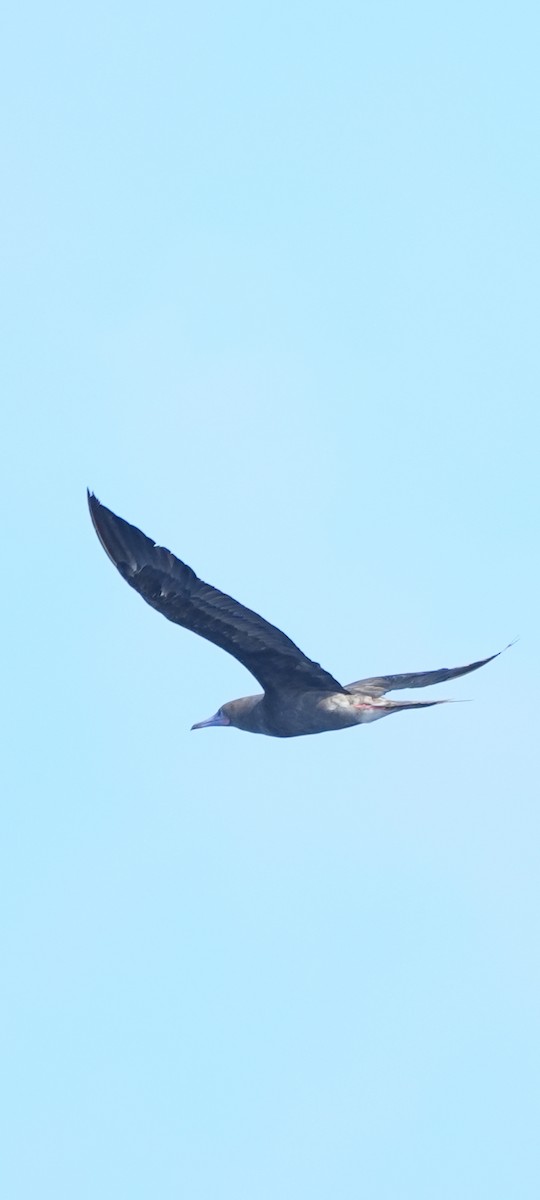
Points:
(219, 718)
(299, 697)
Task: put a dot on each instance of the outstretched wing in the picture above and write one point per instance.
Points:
(379, 685)
(175, 590)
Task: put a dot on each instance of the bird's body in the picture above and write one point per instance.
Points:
(299, 696)
(309, 712)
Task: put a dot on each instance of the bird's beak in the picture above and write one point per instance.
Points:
(217, 719)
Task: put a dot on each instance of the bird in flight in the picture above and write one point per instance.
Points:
(299, 696)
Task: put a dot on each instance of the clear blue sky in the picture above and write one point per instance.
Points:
(271, 289)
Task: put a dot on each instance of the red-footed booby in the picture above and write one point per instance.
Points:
(299, 696)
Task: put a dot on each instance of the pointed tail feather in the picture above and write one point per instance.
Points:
(401, 705)
(372, 710)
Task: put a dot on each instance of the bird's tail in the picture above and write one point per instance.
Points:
(371, 709)
(400, 705)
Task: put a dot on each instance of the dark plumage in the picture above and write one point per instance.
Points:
(300, 697)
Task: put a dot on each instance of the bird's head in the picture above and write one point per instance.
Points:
(243, 714)
(219, 718)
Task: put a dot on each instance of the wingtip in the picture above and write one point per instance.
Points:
(503, 651)
(98, 515)
(498, 653)
(93, 506)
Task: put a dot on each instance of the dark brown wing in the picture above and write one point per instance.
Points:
(175, 590)
(379, 685)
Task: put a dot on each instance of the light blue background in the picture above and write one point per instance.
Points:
(271, 289)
